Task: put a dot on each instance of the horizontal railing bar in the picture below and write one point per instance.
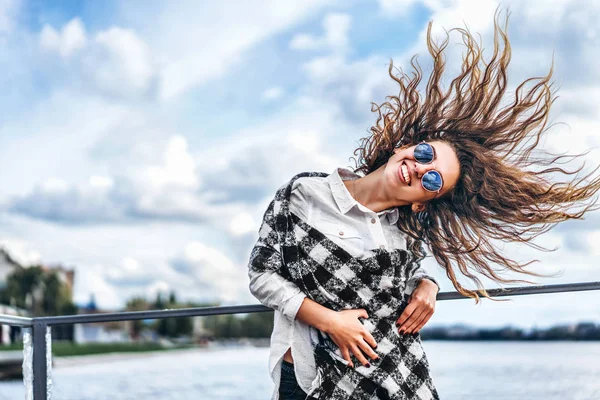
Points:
(13, 320)
(522, 290)
(243, 309)
(153, 314)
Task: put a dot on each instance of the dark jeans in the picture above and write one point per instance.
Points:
(288, 386)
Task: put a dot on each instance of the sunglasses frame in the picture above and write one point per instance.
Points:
(434, 170)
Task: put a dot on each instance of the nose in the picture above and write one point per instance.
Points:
(421, 169)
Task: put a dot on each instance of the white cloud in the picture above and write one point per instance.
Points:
(54, 186)
(21, 251)
(70, 39)
(9, 9)
(395, 8)
(177, 170)
(242, 223)
(219, 276)
(157, 287)
(90, 280)
(273, 93)
(167, 189)
(129, 268)
(304, 41)
(336, 28)
(121, 63)
(101, 183)
(199, 204)
(224, 40)
(211, 185)
(305, 141)
(116, 61)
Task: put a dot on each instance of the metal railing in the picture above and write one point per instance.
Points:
(40, 326)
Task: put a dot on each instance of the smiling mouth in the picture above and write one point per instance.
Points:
(403, 173)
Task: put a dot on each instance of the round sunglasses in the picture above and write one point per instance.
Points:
(431, 180)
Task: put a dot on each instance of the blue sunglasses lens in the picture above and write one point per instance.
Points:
(423, 153)
(432, 181)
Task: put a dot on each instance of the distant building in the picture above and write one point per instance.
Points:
(101, 332)
(66, 276)
(199, 332)
(10, 334)
(7, 266)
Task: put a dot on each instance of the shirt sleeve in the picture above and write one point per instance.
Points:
(419, 273)
(276, 292)
(270, 287)
(415, 279)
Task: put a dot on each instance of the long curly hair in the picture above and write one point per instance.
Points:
(503, 192)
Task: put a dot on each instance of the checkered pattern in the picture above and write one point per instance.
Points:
(329, 275)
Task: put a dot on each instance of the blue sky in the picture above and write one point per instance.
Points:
(141, 142)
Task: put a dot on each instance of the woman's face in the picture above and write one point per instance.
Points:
(445, 162)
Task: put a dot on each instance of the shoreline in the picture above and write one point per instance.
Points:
(85, 359)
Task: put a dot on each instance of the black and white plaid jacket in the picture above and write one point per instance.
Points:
(329, 275)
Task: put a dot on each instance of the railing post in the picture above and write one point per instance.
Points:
(40, 371)
(28, 362)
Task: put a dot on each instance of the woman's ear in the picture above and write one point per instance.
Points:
(417, 207)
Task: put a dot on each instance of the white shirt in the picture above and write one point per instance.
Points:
(326, 204)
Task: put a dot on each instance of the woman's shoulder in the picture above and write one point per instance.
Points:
(308, 183)
(304, 180)
(305, 190)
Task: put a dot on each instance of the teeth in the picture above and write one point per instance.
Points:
(405, 173)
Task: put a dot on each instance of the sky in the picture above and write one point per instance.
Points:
(141, 141)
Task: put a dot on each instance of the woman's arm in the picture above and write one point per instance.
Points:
(269, 287)
(278, 293)
(422, 289)
(418, 272)
(344, 328)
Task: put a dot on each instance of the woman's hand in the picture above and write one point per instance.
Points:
(420, 308)
(350, 335)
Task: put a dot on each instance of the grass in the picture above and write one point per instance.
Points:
(60, 349)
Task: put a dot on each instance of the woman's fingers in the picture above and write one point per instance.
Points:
(406, 314)
(368, 350)
(411, 322)
(415, 321)
(424, 318)
(358, 354)
(346, 355)
(423, 322)
(370, 339)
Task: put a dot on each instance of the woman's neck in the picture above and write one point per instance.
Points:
(372, 192)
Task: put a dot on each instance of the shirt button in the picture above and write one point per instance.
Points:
(373, 220)
(341, 233)
(382, 246)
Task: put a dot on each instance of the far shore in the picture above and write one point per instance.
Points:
(68, 350)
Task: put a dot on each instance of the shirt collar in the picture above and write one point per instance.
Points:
(344, 199)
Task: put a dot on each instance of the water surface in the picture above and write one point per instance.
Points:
(461, 370)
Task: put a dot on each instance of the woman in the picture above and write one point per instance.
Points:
(338, 254)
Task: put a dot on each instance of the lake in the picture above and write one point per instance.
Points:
(460, 369)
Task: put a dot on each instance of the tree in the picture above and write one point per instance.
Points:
(137, 304)
(39, 291)
(174, 327)
(172, 298)
(159, 303)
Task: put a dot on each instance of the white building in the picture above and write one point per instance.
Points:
(7, 266)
